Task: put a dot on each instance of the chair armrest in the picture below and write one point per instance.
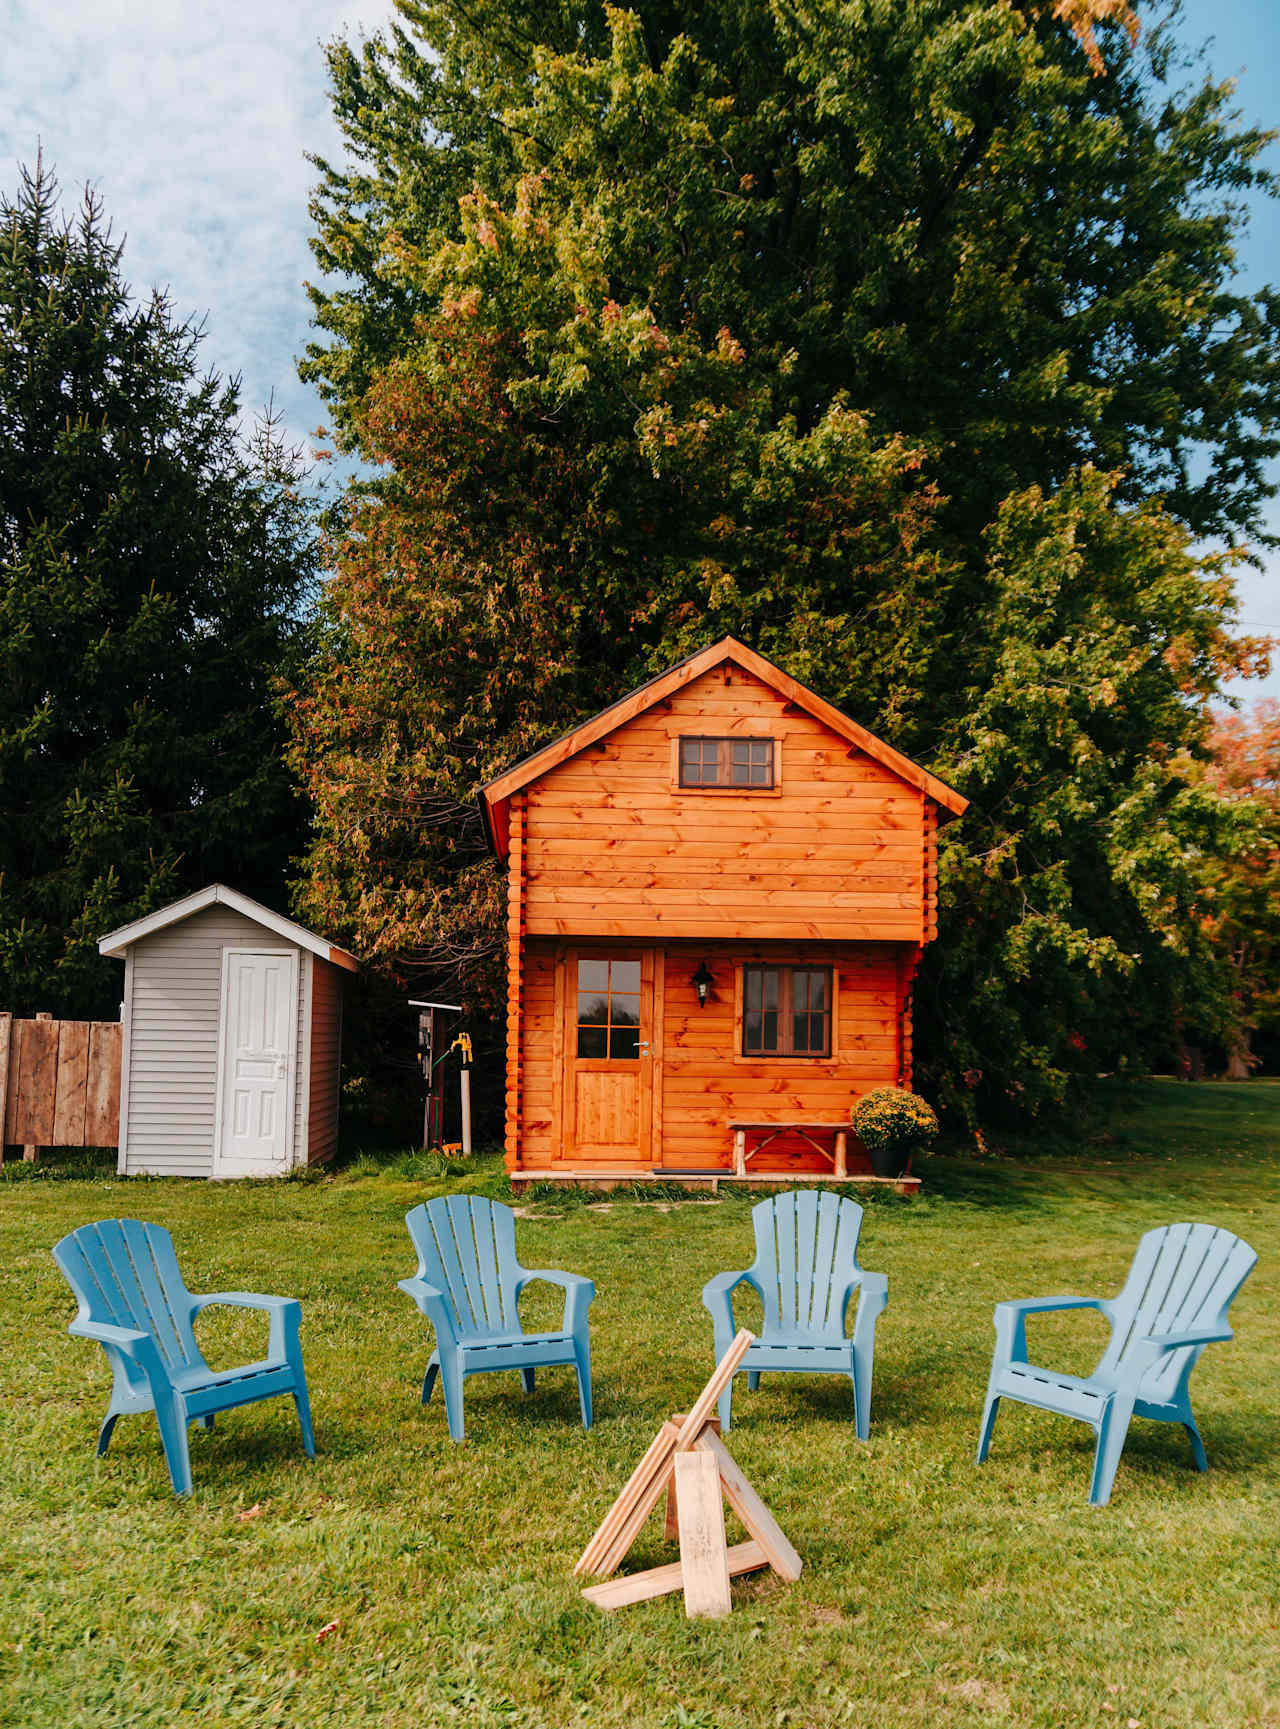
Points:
(243, 1300)
(1043, 1305)
(123, 1338)
(873, 1292)
(139, 1347)
(285, 1313)
(717, 1295)
(1197, 1336)
(432, 1303)
(578, 1292)
(1010, 1319)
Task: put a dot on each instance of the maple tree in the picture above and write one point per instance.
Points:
(885, 349)
(1239, 888)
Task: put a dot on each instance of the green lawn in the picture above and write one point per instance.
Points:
(934, 1593)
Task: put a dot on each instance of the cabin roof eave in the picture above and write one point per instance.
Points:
(495, 797)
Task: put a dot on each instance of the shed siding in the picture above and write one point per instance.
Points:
(326, 1043)
(174, 1016)
(613, 847)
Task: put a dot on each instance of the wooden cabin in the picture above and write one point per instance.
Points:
(719, 891)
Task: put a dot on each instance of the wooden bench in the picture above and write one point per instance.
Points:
(837, 1153)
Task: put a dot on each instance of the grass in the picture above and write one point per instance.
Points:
(402, 1580)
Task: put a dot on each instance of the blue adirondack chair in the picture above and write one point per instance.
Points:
(1174, 1303)
(133, 1302)
(806, 1270)
(468, 1285)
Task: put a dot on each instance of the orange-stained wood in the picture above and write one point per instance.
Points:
(730, 659)
(833, 866)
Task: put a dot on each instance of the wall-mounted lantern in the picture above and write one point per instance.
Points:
(702, 983)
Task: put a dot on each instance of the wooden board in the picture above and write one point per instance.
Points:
(704, 1561)
(6, 1043)
(660, 1581)
(755, 1516)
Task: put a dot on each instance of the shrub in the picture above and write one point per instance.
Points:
(888, 1120)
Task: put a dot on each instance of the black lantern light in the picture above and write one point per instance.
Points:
(702, 983)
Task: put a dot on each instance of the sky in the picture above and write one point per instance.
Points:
(194, 123)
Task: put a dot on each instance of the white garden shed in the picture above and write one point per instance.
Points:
(231, 1041)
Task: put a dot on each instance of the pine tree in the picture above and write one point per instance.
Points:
(152, 566)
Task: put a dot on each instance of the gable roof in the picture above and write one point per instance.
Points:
(495, 798)
(217, 894)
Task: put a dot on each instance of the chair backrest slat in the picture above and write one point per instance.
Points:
(1183, 1277)
(824, 1255)
(466, 1248)
(125, 1273)
(806, 1254)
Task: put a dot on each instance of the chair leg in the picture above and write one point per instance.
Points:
(863, 1363)
(753, 1380)
(451, 1376)
(726, 1408)
(302, 1405)
(582, 1363)
(429, 1380)
(1197, 1445)
(1113, 1427)
(526, 1376)
(104, 1433)
(171, 1415)
(988, 1424)
(205, 1422)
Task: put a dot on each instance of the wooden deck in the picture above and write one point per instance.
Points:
(612, 1177)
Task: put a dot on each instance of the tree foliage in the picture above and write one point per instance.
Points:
(1239, 888)
(869, 333)
(151, 568)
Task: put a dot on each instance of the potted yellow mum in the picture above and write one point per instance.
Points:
(892, 1124)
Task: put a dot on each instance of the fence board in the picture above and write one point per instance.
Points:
(59, 1083)
(70, 1082)
(6, 1036)
(102, 1104)
(37, 1081)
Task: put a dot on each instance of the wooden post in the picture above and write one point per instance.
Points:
(31, 1153)
(6, 1036)
(842, 1156)
(739, 1152)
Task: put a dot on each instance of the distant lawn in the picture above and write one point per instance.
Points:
(934, 1592)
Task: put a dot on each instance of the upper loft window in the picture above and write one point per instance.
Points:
(746, 762)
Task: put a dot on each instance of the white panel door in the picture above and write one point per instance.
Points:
(256, 1063)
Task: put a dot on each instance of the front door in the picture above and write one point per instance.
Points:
(608, 1083)
(254, 1134)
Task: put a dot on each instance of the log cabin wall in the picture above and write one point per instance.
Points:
(700, 1079)
(836, 851)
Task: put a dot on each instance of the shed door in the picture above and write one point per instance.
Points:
(256, 1048)
(608, 1082)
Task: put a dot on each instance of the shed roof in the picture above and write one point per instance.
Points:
(495, 798)
(217, 894)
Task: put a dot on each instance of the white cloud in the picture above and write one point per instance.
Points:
(193, 123)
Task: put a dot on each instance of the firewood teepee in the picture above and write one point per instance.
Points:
(690, 1462)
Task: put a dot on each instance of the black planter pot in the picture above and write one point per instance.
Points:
(890, 1162)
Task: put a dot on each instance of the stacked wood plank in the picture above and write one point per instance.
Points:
(689, 1463)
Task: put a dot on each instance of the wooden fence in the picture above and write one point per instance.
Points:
(59, 1084)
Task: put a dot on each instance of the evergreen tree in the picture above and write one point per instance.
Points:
(151, 571)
